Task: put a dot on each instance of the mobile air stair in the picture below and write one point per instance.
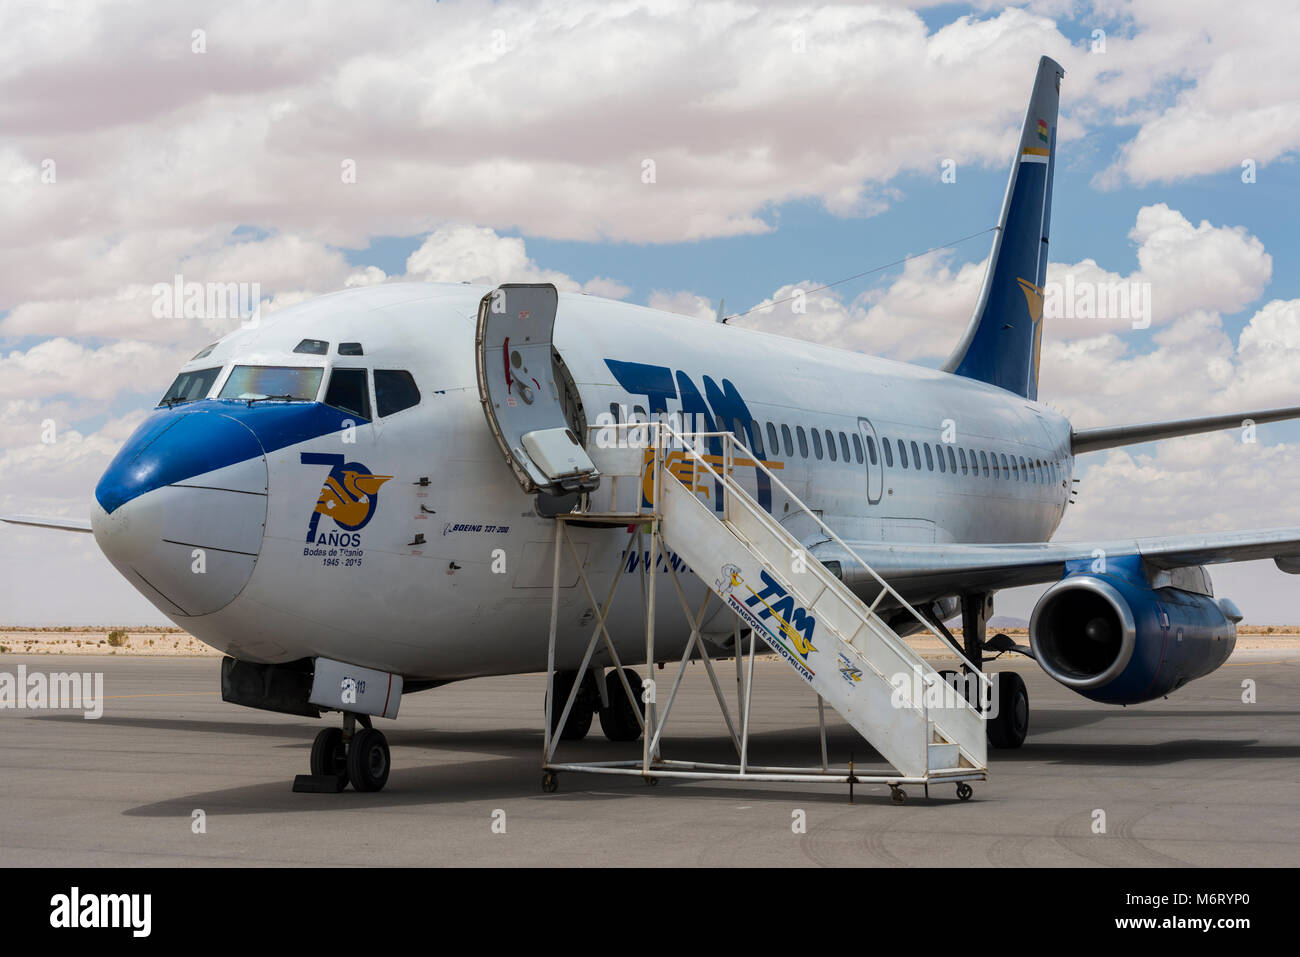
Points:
(927, 732)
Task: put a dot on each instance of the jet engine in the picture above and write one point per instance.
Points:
(1121, 632)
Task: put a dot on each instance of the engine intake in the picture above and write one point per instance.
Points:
(1131, 634)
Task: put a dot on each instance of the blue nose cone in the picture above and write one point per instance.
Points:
(171, 446)
(174, 445)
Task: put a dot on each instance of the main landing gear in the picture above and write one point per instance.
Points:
(1008, 721)
(348, 755)
(618, 720)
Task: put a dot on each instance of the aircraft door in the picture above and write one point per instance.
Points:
(875, 466)
(523, 389)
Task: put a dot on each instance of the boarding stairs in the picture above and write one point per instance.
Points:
(820, 629)
(925, 729)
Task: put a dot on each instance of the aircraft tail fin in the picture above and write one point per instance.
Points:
(1001, 343)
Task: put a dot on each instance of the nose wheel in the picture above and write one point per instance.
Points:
(347, 755)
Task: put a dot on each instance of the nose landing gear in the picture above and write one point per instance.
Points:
(343, 756)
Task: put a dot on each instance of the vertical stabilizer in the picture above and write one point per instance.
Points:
(1001, 344)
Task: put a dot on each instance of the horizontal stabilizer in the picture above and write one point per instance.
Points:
(62, 524)
(1092, 440)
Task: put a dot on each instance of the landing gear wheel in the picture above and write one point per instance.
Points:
(897, 794)
(619, 721)
(329, 758)
(368, 760)
(550, 783)
(964, 791)
(584, 706)
(1010, 725)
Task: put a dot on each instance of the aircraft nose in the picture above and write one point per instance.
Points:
(181, 510)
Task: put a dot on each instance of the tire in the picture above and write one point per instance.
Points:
(328, 756)
(1009, 728)
(579, 723)
(368, 760)
(619, 721)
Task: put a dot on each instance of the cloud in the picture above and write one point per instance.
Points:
(921, 313)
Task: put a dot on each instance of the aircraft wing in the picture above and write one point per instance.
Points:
(923, 572)
(62, 524)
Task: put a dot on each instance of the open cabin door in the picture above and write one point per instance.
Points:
(524, 390)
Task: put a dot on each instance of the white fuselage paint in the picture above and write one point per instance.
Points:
(406, 609)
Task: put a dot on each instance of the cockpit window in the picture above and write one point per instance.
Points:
(190, 386)
(349, 392)
(272, 382)
(351, 349)
(395, 390)
(205, 352)
(312, 347)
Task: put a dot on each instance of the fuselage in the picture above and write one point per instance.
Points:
(360, 525)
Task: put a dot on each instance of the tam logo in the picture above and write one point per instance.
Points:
(796, 623)
(724, 411)
(349, 497)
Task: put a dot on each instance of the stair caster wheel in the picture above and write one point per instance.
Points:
(550, 783)
(897, 794)
(964, 791)
(651, 782)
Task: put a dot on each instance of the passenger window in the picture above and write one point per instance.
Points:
(817, 442)
(803, 441)
(1006, 471)
(830, 445)
(773, 446)
(902, 454)
(789, 443)
(871, 450)
(395, 390)
(348, 392)
(916, 456)
(961, 454)
(758, 440)
(844, 448)
(857, 448)
(929, 457)
(952, 461)
(938, 451)
(887, 450)
(984, 463)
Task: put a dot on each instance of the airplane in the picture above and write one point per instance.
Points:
(358, 492)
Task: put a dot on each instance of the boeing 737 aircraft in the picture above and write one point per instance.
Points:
(354, 498)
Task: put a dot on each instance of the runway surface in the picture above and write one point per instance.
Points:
(1201, 778)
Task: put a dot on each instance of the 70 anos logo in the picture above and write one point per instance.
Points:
(349, 496)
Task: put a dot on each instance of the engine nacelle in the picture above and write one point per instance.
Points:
(1131, 633)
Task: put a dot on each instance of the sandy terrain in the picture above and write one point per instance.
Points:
(95, 641)
(171, 641)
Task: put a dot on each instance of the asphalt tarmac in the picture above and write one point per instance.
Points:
(1201, 778)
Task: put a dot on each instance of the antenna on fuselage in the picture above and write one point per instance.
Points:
(721, 316)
